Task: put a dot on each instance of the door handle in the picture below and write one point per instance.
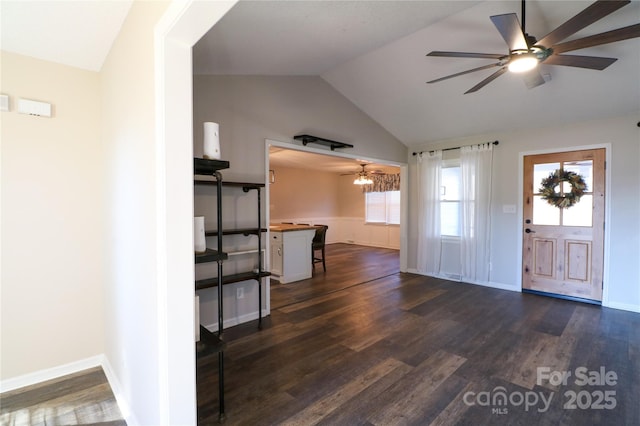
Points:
(529, 231)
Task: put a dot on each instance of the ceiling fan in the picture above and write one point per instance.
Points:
(363, 177)
(526, 52)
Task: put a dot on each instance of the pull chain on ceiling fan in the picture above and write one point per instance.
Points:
(526, 53)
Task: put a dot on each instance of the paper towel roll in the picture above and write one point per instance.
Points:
(211, 141)
(199, 241)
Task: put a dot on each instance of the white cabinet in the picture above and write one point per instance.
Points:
(276, 253)
(291, 254)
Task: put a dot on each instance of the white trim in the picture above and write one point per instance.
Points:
(607, 209)
(230, 322)
(490, 284)
(623, 306)
(118, 393)
(36, 377)
(59, 371)
(404, 217)
(293, 146)
(180, 27)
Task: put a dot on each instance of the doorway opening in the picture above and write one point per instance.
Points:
(316, 187)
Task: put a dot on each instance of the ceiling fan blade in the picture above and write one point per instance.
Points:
(465, 72)
(466, 55)
(591, 14)
(487, 80)
(590, 62)
(509, 27)
(533, 78)
(632, 31)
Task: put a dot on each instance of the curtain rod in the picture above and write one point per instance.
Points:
(457, 147)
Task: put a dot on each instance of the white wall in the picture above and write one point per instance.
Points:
(128, 123)
(52, 219)
(623, 224)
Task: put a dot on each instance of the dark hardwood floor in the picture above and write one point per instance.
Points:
(83, 398)
(407, 349)
(401, 349)
(347, 265)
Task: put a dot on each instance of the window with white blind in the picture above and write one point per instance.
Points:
(382, 207)
(450, 200)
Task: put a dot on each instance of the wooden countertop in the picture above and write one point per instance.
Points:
(285, 227)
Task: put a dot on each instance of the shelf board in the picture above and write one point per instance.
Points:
(202, 166)
(239, 231)
(322, 141)
(210, 256)
(230, 279)
(246, 186)
(209, 343)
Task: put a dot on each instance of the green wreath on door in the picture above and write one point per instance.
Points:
(555, 197)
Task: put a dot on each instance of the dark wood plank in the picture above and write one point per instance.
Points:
(347, 265)
(77, 399)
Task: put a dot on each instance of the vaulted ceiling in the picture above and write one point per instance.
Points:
(373, 52)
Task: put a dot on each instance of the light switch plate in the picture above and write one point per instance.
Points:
(509, 208)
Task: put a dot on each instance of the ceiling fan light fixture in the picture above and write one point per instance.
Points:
(523, 62)
(363, 180)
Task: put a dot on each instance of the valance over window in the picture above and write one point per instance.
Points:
(383, 183)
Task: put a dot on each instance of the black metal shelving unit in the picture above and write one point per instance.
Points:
(211, 343)
(258, 230)
(207, 172)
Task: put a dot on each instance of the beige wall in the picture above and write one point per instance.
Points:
(350, 198)
(304, 193)
(53, 238)
(308, 193)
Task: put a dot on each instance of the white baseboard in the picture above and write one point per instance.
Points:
(499, 286)
(40, 376)
(490, 284)
(237, 320)
(50, 373)
(118, 393)
(622, 306)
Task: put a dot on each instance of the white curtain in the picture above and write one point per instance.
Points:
(475, 169)
(429, 245)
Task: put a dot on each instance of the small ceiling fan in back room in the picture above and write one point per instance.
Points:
(363, 176)
(526, 52)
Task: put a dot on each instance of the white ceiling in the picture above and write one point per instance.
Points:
(309, 37)
(373, 52)
(75, 33)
